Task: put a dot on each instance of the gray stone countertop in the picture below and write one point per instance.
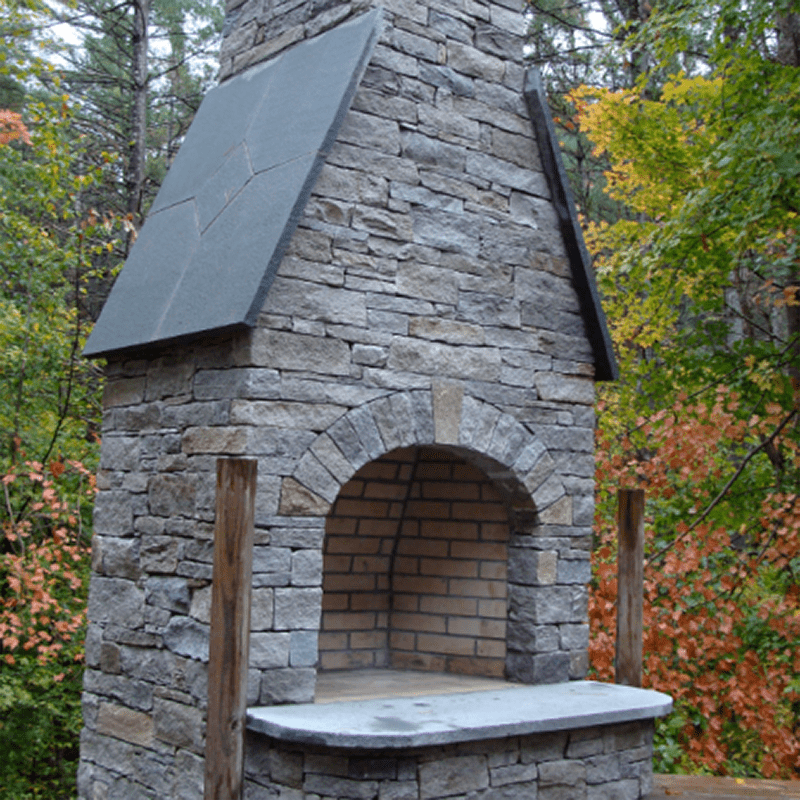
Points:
(470, 716)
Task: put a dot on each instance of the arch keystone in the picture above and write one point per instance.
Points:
(448, 398)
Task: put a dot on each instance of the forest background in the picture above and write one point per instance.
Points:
(680, 125)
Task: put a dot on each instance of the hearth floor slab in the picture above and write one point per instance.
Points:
(370, 684)
(434, 719)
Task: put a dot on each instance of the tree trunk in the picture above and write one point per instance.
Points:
(136, 162)
(788, 26)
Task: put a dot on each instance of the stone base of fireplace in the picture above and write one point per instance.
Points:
(577, 740)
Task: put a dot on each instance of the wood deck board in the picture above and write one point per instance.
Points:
(697, 787)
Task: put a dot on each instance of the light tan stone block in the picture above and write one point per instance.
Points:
(124, 723)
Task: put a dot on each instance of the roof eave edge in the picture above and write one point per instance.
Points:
(606, 368)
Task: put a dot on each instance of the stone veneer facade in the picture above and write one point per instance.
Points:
(423, 318)
(608, 762)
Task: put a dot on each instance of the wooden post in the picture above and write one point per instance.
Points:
(229, 644)
(630, 586)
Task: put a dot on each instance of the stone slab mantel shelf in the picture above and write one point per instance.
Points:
(401, 722)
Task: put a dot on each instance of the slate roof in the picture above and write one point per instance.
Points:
(208, 252)
(220, 225)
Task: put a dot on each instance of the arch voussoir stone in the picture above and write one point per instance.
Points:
(505, 449)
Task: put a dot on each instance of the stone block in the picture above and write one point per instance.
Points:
(120, 453)
(574, 636)
(113, 513)
(562, 773)
(433, 358)
(398, 790)
(482, 308)
(428, 283)
(298, 608)
(584, 742)
(453, 776)
(553, 387)
(393, 419)
(314, 476)
(169, 377)
(469, 60)
(546, 494)
(188, 776)
(127, 724)
(178, 724)
(158, 554)
(269, 650)
(270, 558)
(306, 569)
(444, 330)
(499, 43)
(370, 131)
(447, 403)
(506, 174)
(171, 495)
(371, 355)
(187, 637)
(119, 557)
(513, 774)
(115, 601)
(533, 567)
(615, 790)
(527, 637)
(281, 414)
(449, 26)
(220, 441)
(297, 500)
(172, 594)
(303, 650)
(123, 392)
(261, 609)
(311, 301)
(295, 685)
(342, 788)
(367, 431)
(542, 605)
(574, 571)
(478, 421)
(538, 748)
(551, 667)
(602, 768)
(292, 351)
(559, 513)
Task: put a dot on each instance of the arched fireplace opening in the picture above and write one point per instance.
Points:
(415, 567)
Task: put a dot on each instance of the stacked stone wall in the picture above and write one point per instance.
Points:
(610, 762)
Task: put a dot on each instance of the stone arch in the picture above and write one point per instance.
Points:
(495, 441)
(547, 567)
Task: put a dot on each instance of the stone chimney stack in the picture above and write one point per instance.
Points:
(427, 45)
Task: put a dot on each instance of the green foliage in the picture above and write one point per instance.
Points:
(47, 244)
(701, 284)
(44, 578)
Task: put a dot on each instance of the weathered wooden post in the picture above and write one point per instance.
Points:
(229, 643)
(630, 586)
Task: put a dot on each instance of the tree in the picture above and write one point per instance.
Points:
(700, 278)
(139, 73)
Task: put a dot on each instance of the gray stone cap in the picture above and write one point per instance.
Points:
(470, 716)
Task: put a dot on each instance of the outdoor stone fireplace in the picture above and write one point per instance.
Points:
(363, 271)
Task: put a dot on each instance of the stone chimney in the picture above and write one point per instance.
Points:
(364, 271)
